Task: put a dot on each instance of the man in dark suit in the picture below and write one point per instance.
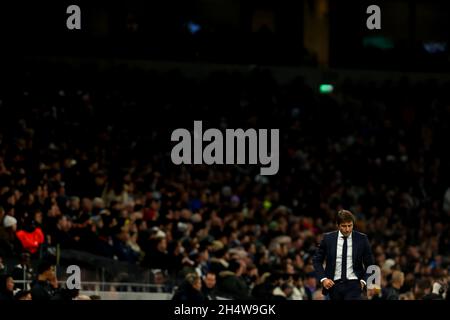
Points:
(343, 279)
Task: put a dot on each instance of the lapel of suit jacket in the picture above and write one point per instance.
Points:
(334, 250)
(354, 248)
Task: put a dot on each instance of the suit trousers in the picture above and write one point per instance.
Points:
(346, 290)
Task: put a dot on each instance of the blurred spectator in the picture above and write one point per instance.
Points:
(299, 289)
(190, 290)
(230, 282)
(310, 285)
(75, 163)
(392, 292)
(161, 282)
(6, 287)
(209, 286)
(23, 295)
(156, 255)
(264, 289)
(423, 291)
(61, 234)
(122, 249)
(2, 266)
(23, 272)
(283, 292)
(219, 259)
(432, 292)
(30, 237)
(45, 286)
(9, 243)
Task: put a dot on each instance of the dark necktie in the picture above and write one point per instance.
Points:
(344, 260)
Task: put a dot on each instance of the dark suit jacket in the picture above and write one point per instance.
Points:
(361, 253)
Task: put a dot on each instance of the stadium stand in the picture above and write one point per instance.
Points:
(86, 178)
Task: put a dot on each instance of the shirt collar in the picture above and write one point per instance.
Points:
(341, 235)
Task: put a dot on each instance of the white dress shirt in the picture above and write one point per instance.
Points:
(340, 243)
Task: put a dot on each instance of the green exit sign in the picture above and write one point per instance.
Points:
(326, 88)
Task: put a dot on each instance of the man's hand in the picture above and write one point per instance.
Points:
(362, 283)
(327, 283)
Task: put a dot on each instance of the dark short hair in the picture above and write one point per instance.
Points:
(209, 273)
(44, 266)
(234, 266)
(344, 216)
(423, 284)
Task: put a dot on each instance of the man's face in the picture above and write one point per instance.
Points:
(210, 280)
(346, 228)
(311, 282)
(159, 278)
(50, 274)
(288, 292)
(10, 284)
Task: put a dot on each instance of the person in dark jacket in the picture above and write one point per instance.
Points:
(393, 291)
(156, 254)
(218, 262)
(190, 290)
(6, 287)
(348, 255)
(231, 284)
(23, 272)
(9, 243)
(44, 288)
(209, 286)
(122, 250)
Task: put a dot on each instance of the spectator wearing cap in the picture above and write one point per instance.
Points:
(10, 222)
(9, 244)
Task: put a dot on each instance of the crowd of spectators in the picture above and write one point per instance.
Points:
(85, 165)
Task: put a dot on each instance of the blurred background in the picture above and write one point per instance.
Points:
(86, 118)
